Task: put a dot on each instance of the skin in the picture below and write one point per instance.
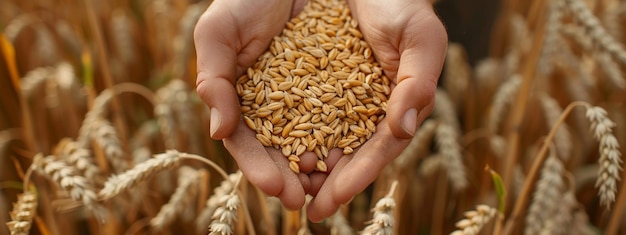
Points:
(410, 45)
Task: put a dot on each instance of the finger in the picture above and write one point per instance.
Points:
(353, 173)
(254, 161)
(307, 163)
(323, 204)
(292, 195)
(367, 163)
(217, 66)
(316, 180)
(421, 59)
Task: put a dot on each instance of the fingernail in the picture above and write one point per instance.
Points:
(216, 121)
(409, 121)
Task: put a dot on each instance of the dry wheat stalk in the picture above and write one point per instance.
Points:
(23, 212)
(225, 214)
(226, 186)
(475, 220)
(383, 220)
(182, 198)
(595, 30)
(449, 150)
(141, 172)
(502, 98)
(610, 160)
(77, 186)
(552, 111)
(317, 88)
(547, 195)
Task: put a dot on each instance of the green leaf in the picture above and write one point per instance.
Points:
(500, 189)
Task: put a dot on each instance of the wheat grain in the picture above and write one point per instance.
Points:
(182, 198)
(322, 72)
(383, 220)
(141, 172)
(475, 220)
(610, 160)
(23, 212)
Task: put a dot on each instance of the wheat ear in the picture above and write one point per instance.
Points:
(610, 160)
(141, 172)
(67, 177)
(383, 220)
(225, 214)
(547, 196)
(449, 150)
(503, 97)
(22, 215)
(596, 31)
(475, 220)
(181, 199)
(551, 111)
(225, 187)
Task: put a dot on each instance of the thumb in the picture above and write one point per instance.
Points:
(217, 68)
(421, 60)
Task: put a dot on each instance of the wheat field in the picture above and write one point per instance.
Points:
(102, 132)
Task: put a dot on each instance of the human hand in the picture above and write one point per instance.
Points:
(229, 37)
(410, 43)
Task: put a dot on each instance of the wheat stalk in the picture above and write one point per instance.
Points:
(383, 219)
(23, 212)
(475, 220)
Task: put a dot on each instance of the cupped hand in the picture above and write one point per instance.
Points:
(410, 43)
(229, 37)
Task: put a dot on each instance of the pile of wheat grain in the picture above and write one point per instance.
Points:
(317, 88)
